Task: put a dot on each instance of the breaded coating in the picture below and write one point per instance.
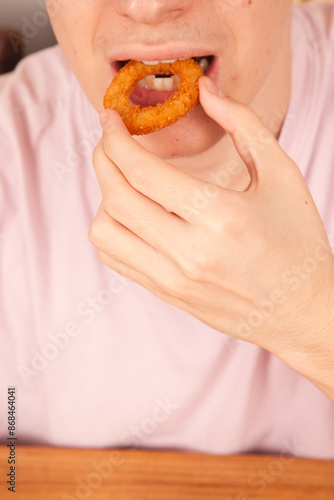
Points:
(144, 120)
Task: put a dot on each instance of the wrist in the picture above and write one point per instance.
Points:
(311, 353)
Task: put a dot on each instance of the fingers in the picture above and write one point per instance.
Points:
(129, 255)
(254, 142)
(144, 217)
(158, 180)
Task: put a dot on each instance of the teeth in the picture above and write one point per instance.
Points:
(148, 82)
(159, 84)
(173, 60)
(151, 63)
(204, 64)
(167, 84)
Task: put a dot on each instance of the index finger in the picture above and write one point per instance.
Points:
(155, 178)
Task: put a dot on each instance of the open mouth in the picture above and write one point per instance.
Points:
(166, 83)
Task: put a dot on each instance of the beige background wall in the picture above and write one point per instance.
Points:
(30, 18)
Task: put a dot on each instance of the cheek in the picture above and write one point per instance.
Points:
(259, 35)
(75, 24)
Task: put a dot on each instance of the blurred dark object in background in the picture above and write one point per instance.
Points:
(9, 57)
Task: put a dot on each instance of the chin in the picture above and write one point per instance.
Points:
(191, 135)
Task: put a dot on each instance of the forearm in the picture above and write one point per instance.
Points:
(315, 359)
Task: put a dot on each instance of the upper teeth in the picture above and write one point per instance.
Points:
(152, 82)
(203, 62)
(150, 63)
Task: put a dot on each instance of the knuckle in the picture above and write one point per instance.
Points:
(109, 142)
(97, 152)
(96, 232)
(174, 286)
(214, 222)
(104, 258)
(112, 204)
(138, 175)
(246, 113)
(217, 225)
(196, 267)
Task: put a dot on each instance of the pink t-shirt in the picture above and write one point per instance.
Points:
(98, 361)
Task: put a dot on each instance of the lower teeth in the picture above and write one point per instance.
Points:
(152, 82)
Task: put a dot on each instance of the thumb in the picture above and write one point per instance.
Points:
(254, 142)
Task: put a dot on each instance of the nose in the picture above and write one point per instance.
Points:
(152, 11)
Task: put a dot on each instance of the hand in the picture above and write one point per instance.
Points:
(256, 265)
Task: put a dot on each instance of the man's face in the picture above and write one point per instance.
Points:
(243, 40)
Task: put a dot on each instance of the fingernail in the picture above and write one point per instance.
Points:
(212, 87)
(104, 120)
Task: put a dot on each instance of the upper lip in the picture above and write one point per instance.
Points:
(149, 53)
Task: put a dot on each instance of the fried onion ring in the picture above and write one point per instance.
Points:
(144, 120)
